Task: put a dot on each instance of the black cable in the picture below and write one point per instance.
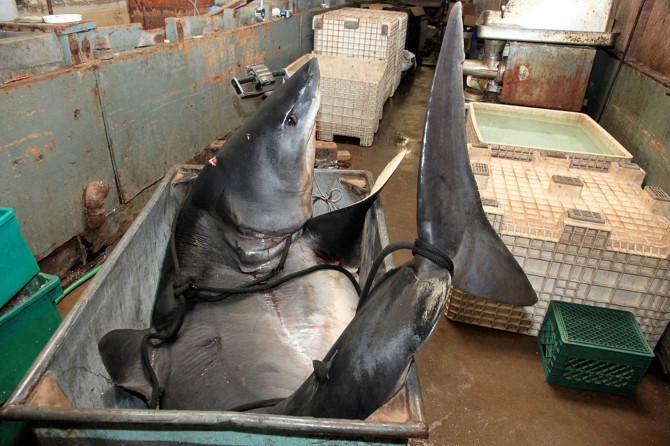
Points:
(182, 284)
(162, 336)
(377, 263)
(419, 247)
(430, 252)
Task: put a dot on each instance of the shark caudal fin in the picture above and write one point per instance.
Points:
(450, 215)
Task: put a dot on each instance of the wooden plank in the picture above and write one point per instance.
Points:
(624, 21)
(651, 40)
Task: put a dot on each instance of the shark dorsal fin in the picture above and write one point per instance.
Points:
(322, 368)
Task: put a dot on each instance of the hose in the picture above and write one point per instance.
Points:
(74, 285)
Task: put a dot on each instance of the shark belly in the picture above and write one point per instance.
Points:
(250, 348)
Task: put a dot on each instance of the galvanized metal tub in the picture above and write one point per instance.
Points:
(67, 395)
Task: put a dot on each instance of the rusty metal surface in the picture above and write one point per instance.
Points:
(152, 13)
(547, 76)
(567, 15)
(491, 26)
(157, 106)
(636, 114)
(650, 44)
(165, 105)
(52, 144)
(58, 28)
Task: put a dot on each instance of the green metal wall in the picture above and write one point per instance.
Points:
(637, 114)
(126, 121)
(52, 143)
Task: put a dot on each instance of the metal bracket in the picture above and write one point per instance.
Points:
(262, 78)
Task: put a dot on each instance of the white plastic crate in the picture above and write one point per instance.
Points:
(363, 33)
(352, 96)
(326, 131)
(581, 236)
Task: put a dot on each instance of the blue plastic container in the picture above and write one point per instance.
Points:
(17, 264)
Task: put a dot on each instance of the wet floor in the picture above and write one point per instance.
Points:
(483, 386)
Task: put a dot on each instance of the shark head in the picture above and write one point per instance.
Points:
(259, 184)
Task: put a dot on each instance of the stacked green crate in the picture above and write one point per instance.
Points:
(28, 315)
(593, 348)
(27, 322)
(17, 264)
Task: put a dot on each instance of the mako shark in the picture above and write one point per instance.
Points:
(255, 309)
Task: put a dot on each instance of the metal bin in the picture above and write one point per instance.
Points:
(67, 395)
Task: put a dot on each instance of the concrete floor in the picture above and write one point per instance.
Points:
(484, 386)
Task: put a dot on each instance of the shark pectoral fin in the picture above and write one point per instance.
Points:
(485, 268)
(322, 368)
(121, 355)
(338, 232)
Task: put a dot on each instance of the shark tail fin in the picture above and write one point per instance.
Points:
(449, 210)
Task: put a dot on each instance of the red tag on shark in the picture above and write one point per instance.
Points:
(212, 161)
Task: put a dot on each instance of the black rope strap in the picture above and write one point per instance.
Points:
(184, 286)
(428, 251)
(225, 292)
(420, 248)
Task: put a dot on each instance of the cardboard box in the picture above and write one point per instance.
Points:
(469, 11)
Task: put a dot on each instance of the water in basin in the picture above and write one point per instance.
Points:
(537, 131)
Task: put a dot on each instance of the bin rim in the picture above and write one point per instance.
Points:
(6, 215)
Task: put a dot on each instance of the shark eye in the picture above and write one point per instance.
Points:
(292, 120)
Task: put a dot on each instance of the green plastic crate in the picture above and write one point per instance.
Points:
(17, 264)
(593, 348)
(27, 322)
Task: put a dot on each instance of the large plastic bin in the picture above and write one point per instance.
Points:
(352, 96)
(516, 132)
(27, 322)
(17, 264)
(583, 236)
(68, 397)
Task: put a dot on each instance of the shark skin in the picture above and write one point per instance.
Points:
(246, 350)
(245, 206)
(368, 363)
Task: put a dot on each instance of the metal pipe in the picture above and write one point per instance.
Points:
(493, 52)
(492, 67)
(479, 68)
